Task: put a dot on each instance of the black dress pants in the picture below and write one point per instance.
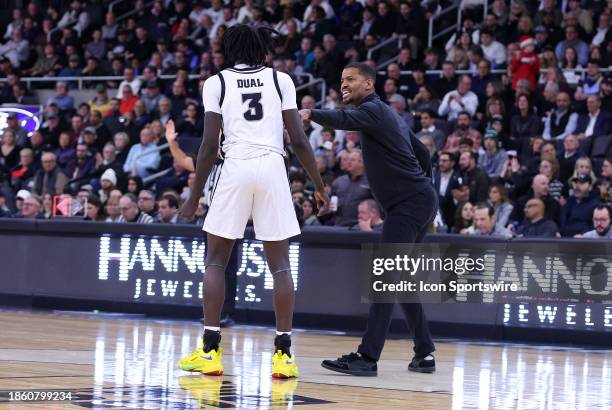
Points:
(406, 222)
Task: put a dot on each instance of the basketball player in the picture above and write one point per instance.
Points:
(250, 102)
(398, 169)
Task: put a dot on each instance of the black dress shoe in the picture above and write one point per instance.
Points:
(353, 364)
(425, 364)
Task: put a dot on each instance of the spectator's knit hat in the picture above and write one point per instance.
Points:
(89, 130)
(52, 115)
(100, 88)
(526, 41)
(109, 175)
(152, 84)
(12, 116)
(23, 194)
(458, 182)
(583, 178)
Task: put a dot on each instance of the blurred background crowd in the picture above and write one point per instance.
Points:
(514, 105)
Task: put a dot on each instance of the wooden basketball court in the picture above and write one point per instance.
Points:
(120, 361)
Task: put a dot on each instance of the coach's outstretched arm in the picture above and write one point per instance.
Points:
(362, 118)
(303, 150)
(206, 159)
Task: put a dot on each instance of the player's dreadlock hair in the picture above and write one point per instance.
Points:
(243, 44)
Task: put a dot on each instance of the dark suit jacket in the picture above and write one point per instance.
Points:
(603, 124)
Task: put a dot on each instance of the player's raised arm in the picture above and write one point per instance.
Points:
(206, 159)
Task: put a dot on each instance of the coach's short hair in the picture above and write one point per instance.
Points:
(364, 69)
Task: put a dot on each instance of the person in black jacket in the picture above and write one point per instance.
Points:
(398, 168)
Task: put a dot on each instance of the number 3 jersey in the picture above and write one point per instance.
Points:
(251, 101)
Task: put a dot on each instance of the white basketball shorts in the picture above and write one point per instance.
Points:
(258, 187)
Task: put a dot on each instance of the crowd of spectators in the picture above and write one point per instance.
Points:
(521, 140)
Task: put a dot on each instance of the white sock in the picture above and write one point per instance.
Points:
(283, 333)
(213, 328)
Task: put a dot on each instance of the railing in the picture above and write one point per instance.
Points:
(582, 71)
(312, 84)
(431, 36)
(80, 80)
(155, 176)
(53, 30)
(394, 38)
(129, 13)
(144, 154)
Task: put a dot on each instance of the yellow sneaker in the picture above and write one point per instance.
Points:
(206, 363)
(283, 366)
(205, 390)
(282, 391)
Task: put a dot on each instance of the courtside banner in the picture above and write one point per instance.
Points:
(487, 273)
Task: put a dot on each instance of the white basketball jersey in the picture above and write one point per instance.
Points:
(251, 101)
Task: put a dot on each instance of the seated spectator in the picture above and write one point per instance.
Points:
(549, 166)
(464, 130)
(568, 157)
(591, 84)
(595, 122)
(369, 217)
(494, 51)
(25, 170)
(9, 151)
(164, 111)
(539, 189)
(112, 209)
(561, 121)
(151, 96)
(498, 199)
(429, 128)
(146, 202)
(62, 99)
(351, 189)
(100, 102)
(583, 166)
(46, 63)
(168, 211)
(535, 223)
(128, 101)
(108, 182)
(309, 216)
(425, 99)
(134, 185)
(494, 158)
(478, 179)
(129, 79)
(398, 103)
(50, 178)
(443, 176)
(484, 221)
(30, 209)
(94, 210)
(572, 40)
(577, 213)
(525, 124)
(459, 100)
(76, 14)
(130, 212)
(601, 222)
(464, 219)
(16, 50)
(142, 166)
(81, 167)
(448, 80)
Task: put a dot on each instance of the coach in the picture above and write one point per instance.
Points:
(398, 169)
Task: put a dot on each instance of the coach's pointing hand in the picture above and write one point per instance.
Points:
(305, 114)
(322, 202)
